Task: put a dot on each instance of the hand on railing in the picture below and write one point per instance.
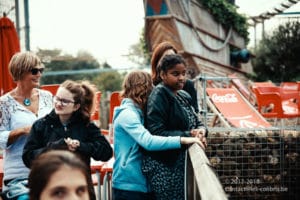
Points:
(200, 133)
(192, 140)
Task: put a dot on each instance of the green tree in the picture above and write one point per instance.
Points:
(108, 81)
(54, 60)
(138, 53)
(277, 56)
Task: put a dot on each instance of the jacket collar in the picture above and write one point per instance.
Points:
(54, 117)
(181, 93)
(125, 104)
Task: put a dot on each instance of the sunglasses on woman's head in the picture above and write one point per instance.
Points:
(34, 71)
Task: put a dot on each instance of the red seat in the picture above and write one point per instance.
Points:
(115, 100)
(277, 102)
(51, 88)
(263, 84)
(95, 116)
(290, 86)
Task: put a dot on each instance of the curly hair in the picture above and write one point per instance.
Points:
(137, 86)
(170, 61)
(157, 55)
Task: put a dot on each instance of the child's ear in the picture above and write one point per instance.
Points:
(76, 106)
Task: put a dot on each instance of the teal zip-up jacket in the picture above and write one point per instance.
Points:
(129, 135)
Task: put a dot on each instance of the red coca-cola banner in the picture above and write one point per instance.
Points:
(236, 109)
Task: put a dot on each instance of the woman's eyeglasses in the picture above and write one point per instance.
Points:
(63, 102)
(34, 71)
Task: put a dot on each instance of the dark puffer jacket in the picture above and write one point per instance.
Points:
(48, 133)
(166, 117)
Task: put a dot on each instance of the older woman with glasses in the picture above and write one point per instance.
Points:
(19, 108)
(69, 127)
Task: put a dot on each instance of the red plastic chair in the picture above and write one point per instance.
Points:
(95, 116)
(275, 97)
(263, 84)
(290, 86)
(51, 88)
(115, 100)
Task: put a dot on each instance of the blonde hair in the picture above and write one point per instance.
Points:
(137, 86)
(21, 63)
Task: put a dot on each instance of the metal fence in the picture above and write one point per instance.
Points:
(257, 165)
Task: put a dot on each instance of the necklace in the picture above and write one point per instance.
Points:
(27, 102)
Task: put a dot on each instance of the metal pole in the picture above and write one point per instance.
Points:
(17, 10)
(203, 78)
(255, 42)
(263, 29)
(27, 32)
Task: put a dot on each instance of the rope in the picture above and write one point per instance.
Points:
(198, 36)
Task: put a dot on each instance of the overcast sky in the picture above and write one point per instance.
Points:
(105, 28)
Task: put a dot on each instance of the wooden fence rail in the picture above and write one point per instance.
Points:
(201, 178)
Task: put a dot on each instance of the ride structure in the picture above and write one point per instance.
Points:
(253, 157)
(208, 46)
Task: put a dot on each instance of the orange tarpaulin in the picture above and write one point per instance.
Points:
(9, 45)
(235, 109)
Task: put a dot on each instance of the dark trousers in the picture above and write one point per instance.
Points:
(130, 195)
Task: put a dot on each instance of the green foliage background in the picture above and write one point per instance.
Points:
(54, 60)
(278, 55)
(225, 13)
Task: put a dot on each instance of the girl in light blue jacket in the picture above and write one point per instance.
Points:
(130, 136)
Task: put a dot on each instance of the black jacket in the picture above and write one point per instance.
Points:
(190, 88)
(48, 133)
(166, 117)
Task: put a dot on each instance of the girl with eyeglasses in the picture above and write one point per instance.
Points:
(19, 108)
(69, 127)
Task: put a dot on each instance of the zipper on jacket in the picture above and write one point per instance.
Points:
(65, 127)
